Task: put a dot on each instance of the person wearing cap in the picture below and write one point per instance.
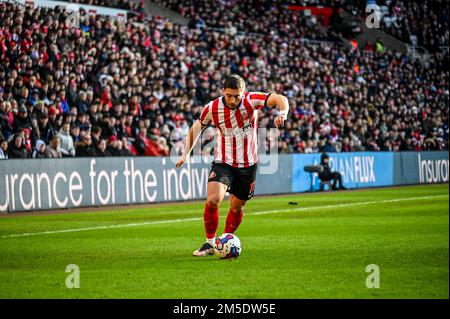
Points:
(326, 175)
(39, 150)
(22, 119)
(112, 146)
(52, 113)
(34, 96)
(38, 109)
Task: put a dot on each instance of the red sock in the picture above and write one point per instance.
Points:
(211, 219)
(233, 221)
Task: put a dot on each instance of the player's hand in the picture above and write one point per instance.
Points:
(180, 162)
(279, 121)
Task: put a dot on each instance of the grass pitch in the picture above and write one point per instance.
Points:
(319, 248)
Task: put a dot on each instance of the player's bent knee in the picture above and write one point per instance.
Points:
(213, 202)
(237, 209)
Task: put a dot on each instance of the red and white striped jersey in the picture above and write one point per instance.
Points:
(236, 129)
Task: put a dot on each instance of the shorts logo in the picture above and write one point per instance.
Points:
(212, 174)
(252, 189)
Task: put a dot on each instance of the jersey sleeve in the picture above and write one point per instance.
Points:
(206, 116)
(258, 99)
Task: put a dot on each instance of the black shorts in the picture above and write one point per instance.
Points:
(239, 180)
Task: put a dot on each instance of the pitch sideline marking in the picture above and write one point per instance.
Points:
(200, 218)
(350, 204)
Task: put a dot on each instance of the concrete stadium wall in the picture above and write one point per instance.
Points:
(27, 185)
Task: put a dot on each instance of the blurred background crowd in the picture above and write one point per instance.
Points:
(112, 88)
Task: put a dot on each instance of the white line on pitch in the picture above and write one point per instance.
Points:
(201, 218)
(349, 204)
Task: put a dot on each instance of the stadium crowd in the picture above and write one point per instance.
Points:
(252, 16)
(428, 21)
(120, 89)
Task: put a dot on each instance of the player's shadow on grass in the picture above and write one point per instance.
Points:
(190, 259)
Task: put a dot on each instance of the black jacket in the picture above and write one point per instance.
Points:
(14, 152)
(83, 150)
(326, 172)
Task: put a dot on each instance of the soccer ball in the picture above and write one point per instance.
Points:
(227, 246)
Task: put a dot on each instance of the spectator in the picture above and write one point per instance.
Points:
(6, 128)
(52, 150)
(171, 70)
(22, 120)
(75, 133)
(40, 150)
(66, 141)
(142, 142)
(45, 130)
(379, 46)
(101, 149)
(122, 148)
(112, 147)
(96, 134)
(157, 146)
(3, 149)
(85, 147)
(17, 148)
(329, 146)
(163, 148)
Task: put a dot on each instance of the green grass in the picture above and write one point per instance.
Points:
(294, 253)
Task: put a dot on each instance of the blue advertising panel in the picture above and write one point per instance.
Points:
(357, 169)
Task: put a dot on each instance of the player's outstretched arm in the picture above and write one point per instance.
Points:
(282, 104)
(194, 132)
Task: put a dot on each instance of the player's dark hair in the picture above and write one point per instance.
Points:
(233, 81)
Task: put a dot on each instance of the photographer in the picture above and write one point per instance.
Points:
(327, 175)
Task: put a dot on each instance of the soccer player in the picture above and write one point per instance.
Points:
(235, 118)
